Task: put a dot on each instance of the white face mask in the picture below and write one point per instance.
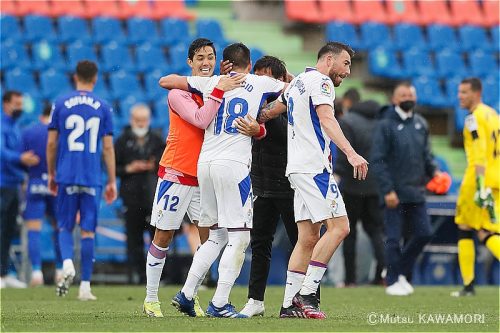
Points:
(140, 131)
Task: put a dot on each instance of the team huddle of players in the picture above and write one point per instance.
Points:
(204, 172)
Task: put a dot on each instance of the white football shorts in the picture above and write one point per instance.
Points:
(172, 201)
(226, 194)
(317, 197)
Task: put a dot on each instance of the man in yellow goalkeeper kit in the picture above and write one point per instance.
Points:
(478, 201)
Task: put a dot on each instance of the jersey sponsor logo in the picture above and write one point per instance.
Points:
(80, 189)
(326, 89)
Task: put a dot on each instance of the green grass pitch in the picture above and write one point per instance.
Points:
(119, 309)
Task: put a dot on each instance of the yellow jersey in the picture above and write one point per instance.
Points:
(482, 145)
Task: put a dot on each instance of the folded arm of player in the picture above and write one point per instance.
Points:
(333, 130)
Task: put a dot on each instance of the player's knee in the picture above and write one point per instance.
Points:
(87, 234)
(162, 238)
(310, 241)
(465, 234)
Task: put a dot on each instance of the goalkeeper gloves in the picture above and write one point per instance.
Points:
(484, 198)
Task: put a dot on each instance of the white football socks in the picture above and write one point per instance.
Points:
(314, 274)
(154, 267)
(204, 258)
(230, 265)
(294, 282)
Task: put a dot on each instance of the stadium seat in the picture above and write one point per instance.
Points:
(429, 93)
(451, 88)
(449, 64)
(370, 11)
(150, 57)
(106, 8)
(9, 27)
(78, 51)
(403, 11)
(21, 80)
(72, 29)
(126, 103)
(136, 8)
(407, 36)
(383, 62)
(153, 90)
(170, 8)
(345, 33)
(106, 29)
(101, 89)
(434, 12)
(124, 84)
(339, 10)
(30, 7)
(255, 54)
(441, 37)
(418, 62)
(47, 55)
(490, 92)
(460, 115)
(142, 30)
(303, 11)
(473, 38)
(210, 29)
(467, 12)
(375, 34)
(178, 56)
(495, 37)
(482, 64)
(174, 31)
(39, 27)
(67, 7)
(116, 57)
(490, 12)
(8, 7)
(53, 83)
(13, 54)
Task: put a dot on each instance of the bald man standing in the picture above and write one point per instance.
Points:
(138, 151)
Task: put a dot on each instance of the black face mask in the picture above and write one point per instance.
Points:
(407, 105)
(16, 113)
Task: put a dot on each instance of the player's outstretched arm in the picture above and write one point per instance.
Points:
(108, 152)
(332, 128)
(51, 152)
(174, 81)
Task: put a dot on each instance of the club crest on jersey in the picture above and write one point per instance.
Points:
(334, 206)
(326, 89)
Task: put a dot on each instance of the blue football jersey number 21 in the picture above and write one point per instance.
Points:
(237, 107)
(78, 125)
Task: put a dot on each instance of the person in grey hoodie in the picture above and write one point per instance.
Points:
(360, 197)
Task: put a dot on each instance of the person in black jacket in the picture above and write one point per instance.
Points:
(274, 196)
(360, 197)
(402, 162)
(138, 150)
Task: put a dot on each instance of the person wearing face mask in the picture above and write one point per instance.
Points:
(402, 163)
(138, 150)
(11, 176)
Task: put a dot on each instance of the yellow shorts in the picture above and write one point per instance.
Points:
(471, 215)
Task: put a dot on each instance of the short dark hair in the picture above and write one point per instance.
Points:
(352, 94)
(335, 48)
(7, 96)
(475, 83)
(198, 44)
(86, 70)
(47, 109)
(238, 54)
(277, 66)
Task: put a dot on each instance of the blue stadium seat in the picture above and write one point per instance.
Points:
(126, 103)
(449, 63)
(54, 83)
(116, 57)
(13, 55)
(38, 28)
(490, 91)
(21, 80)
(255, 54)
(150, 57)
(345, 33)
(161, 116)
(451, 87)
(174, 31)
(153, 90)
(10, 28)
(418, 63)
(47, 55)
(32, 108)
(408, 36)
(106, 29)
(473, 38)
(495, 37)
(482, 64)
(72, 29)
(383, 62)
(429, 93)
(177, 56)
(78, 51)
(210, 29)
(142, 30)
(441, 37)
(124, 84)
(460, 115)
(375, 34)
(101, 90)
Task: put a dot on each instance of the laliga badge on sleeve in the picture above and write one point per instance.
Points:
(326, 89)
